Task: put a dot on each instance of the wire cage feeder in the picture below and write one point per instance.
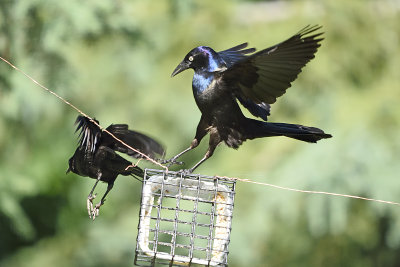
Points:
(184, 220)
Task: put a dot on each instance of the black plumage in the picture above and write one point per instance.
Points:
(96, 155)
(256, 80)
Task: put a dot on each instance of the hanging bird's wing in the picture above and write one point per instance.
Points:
(90, 133)
(136, 140)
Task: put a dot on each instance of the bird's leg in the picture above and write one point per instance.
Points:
(214, 141)
(208, 154)
(96, 210)
(201, 131)
(172, 160)
(188, 171)
(89, 202)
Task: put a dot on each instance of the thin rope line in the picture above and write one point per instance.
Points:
(310, 191)
(166, 168)
(82, 113)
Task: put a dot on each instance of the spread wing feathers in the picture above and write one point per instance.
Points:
(235, 54)
(265, 75)
(136, 140)
(89, 135)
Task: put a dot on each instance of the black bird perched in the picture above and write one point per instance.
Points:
(256, 80)
(96, 155)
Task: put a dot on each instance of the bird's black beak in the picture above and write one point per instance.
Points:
(68, 170)
(181, 67)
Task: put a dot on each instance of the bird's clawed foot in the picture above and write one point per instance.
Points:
(171, 161)
(96, 210)
(93, 211)
(89, 204)
(185, 171)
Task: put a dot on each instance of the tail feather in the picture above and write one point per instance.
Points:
(295, 131)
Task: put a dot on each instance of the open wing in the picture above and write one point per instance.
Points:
(89, 135)
(262, 77)
(136, 140)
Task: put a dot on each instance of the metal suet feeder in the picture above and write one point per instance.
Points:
(185, 220)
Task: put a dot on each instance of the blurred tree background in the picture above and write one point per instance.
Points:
(113, 59)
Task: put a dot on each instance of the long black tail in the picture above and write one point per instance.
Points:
(303, 133)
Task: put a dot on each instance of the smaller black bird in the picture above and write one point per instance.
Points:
(96, 155)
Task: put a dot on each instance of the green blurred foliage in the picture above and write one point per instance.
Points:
(113, 60)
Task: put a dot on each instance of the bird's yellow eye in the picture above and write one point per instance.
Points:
(190, 58)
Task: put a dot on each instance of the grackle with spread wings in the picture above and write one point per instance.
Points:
(256, 80)
(96, 155)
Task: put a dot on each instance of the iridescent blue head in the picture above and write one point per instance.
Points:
(201, 58)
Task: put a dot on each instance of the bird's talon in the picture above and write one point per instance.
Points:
(185, 171)
(96, 210)
(171, 162)
(89, 204)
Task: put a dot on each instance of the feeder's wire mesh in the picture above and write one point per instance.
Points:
(184, 220)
